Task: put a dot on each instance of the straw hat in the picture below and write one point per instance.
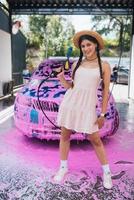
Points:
(90, 33)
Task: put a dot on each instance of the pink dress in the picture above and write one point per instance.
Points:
(77, 110)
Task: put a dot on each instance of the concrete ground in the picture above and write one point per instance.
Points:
(27, 165)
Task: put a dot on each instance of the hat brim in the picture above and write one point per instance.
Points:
(94, 34)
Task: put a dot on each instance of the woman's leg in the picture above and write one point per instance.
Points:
(98, 147)
(64, 151)
(64, 143)
(101, 154)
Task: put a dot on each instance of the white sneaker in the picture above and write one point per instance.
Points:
(59, 176)
(107, 180)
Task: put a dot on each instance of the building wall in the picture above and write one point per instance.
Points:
(4, 21)
(18, 57)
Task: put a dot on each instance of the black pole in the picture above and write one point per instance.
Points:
(133, 23)
(11, 35)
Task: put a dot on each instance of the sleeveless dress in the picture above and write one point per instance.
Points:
(77, 110)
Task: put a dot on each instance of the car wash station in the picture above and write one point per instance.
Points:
(29, 136)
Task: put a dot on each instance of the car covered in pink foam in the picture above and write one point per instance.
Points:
(35, 109)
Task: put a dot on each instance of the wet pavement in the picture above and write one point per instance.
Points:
(27, 165)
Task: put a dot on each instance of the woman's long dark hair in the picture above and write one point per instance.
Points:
(92, 39)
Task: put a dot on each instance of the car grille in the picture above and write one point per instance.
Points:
(46, 106)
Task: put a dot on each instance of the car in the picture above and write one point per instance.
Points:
(37, 103)
(121, 77)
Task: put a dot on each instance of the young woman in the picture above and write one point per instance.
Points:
(78, 108)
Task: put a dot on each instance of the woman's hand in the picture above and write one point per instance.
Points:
(100, 121)
(62, 78)
(59, 69)
(60, 73)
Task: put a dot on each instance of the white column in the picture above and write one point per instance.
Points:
(131, 78)
(5, 57)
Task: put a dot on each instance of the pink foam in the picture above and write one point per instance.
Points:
(81, 157)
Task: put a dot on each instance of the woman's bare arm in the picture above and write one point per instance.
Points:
(106, 78)
(66, 84)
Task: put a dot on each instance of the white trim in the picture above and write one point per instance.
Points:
(6, 113)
